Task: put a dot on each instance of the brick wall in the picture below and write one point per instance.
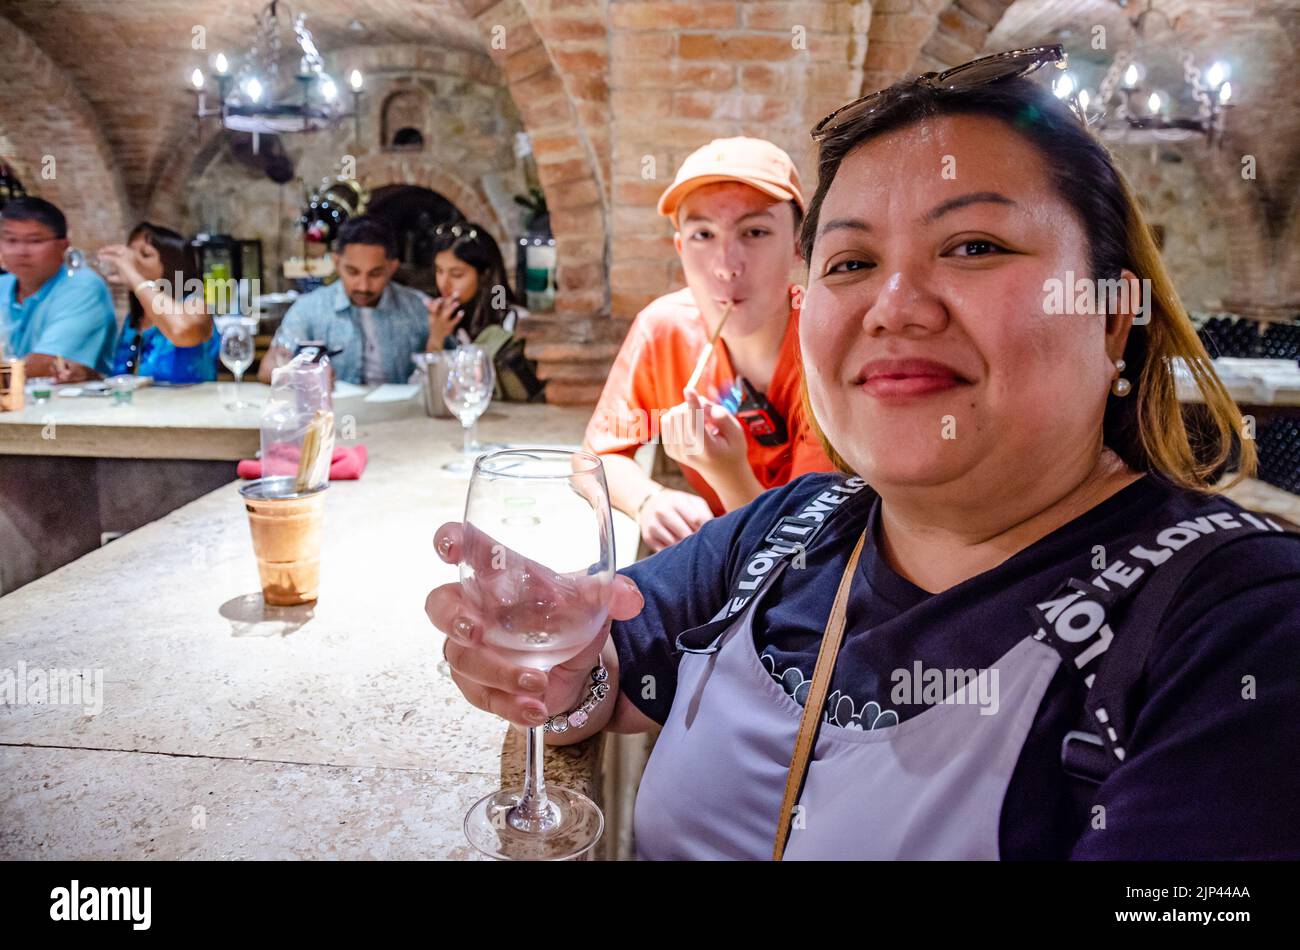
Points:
(683, 73)
(55, 143)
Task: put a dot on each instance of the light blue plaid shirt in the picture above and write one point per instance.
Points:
(401, 325)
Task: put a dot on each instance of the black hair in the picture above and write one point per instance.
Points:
(179, 263)
(30, 208)
(364, 229)
(472, 244)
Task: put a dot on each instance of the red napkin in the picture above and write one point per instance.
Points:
(348, 461)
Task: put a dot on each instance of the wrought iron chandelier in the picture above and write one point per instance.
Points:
(247, 98)
(1150, 93)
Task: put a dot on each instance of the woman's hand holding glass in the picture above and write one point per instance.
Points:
(497, 682)
(119, 266)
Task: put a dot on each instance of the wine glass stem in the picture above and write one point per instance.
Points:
(533, 803)
(469, 438)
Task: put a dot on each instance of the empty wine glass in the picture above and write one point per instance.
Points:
(237, 355)
(468, 391)
(75, 259)
(537, 568)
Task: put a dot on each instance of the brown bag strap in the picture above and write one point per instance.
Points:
(812, 707)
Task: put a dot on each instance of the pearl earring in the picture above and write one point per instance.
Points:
(1121, 386)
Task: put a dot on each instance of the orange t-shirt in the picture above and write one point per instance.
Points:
(655, 363)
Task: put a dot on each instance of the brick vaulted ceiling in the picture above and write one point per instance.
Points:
(130, 58)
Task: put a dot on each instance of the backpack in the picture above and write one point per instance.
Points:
(516, 375)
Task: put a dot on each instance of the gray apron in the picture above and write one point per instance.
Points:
(930, 787)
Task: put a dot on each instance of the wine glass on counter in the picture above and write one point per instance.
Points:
(537, 568)
(237, 356)
(468, 391)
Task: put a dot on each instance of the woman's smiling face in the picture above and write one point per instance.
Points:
(929, 356)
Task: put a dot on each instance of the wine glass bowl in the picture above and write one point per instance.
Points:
(237, 356)
(471, 379)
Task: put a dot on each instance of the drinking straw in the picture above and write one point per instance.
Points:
(708, 351)
(311, 446)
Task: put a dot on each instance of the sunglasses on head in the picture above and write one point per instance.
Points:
(455, 230)
(984, 71)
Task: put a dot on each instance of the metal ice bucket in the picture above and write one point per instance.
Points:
(432, 369)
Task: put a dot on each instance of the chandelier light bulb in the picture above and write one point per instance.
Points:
(223, 64)
(1225, 92)
(1217, 74)
(328, 89)
(1063, 86)
(1153, 102)
(355, 80)
(1132, 75)
(1084, 99)
(196, 78)
(254, 89)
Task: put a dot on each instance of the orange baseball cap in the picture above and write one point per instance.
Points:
(754, 162)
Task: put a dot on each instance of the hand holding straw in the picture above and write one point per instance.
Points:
(707, 351)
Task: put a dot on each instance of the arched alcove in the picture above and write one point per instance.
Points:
(404, 119)
(413, 212)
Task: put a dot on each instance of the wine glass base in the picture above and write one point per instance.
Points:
(576, 824)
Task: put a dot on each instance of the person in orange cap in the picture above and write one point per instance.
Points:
(737, 206)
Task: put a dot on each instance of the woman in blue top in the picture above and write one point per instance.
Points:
(167, 334)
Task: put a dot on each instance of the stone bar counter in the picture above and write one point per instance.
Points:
(75, 470)
(227, 729)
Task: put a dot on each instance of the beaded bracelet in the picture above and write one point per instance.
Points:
(578, 717)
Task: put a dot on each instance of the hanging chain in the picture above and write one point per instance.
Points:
(1192, 76)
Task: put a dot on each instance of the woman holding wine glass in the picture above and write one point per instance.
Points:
(1018, 623)
(537, 559)
(168, 333)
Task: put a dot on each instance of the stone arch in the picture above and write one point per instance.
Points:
(909, 36)
(375, 170)
(166, 196)
(567, 165)
(42, 114)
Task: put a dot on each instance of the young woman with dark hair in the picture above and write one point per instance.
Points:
(476, 304)
(168, 334)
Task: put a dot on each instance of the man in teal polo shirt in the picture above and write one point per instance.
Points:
(61, 324)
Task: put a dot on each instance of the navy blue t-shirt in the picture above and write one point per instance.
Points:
(1212, 771)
